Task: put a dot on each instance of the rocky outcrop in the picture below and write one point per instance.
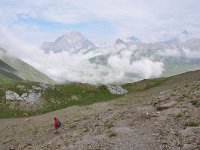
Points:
(21, 87)
(116, 89)
(31, 97)
(10, 95)
(41, 87)
(28, 97)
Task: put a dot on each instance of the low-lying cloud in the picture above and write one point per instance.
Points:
(77, 68)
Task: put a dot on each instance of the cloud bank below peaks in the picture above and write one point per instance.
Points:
(65, 66)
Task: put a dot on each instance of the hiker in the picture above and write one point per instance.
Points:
(57, 124)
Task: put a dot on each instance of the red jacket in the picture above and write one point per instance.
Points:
(56, 123)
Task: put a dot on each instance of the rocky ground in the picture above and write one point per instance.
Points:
(164, 117)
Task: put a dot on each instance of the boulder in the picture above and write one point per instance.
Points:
(21, 87)
(31, 97)
(37, 88)
(45, 86)
(116, 89)
(10, 95)
(42, 87)
(166, 105)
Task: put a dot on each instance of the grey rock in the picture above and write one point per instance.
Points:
(72, 42)
(21, 87)
(31, 97)
(46, 86)
(41, 87)
(166, 105)
(24, 95)
(10, 95)
(116, 89)
(38, 88)
(187, 147)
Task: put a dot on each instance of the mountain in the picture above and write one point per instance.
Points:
(170, 57)
(177, 57)
(72, 42)
(128, 40)
(14, 69)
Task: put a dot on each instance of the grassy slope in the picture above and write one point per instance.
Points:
(5, 80)
(61, 96)
(66, 95)
(144, 84)
(25, 71)
(7, 73)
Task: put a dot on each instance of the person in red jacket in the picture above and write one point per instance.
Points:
(57, 124)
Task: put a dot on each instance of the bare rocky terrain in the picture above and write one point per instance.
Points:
(163, 117)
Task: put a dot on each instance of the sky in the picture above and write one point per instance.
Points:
(26, 24)
(36, 21)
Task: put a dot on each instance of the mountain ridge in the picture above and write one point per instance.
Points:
(15, 69)
(71, 41)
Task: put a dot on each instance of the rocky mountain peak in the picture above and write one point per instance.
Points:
(130, 40)
(119, 41)
(71, 41)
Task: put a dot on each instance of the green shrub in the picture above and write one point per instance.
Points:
(111, 135)
(195, 102)
(110, 125)
(192, 124)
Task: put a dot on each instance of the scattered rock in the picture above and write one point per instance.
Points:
(27, 119)
(187, 147)
(6, 141)
(25, 114)
(31, 97)
(37, 88)
(46, 86)
(166, 105)
(189, 131)
(21, 87)
(10, 95)
(74, 97)
(116, 89)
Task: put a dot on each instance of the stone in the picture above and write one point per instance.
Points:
(45, 86)
(23, 96)
(116, 89)
(37, 88)
(6, 141)
(31, 97)
(166, 105)
(21, 87)
(74, 97)
(10, 95)
(187, 147)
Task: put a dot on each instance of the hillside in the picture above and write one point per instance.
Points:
(17, 70)
(156, 114)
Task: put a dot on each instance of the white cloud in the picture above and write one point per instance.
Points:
(191, 54)
(150, 20)
(170, 52)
